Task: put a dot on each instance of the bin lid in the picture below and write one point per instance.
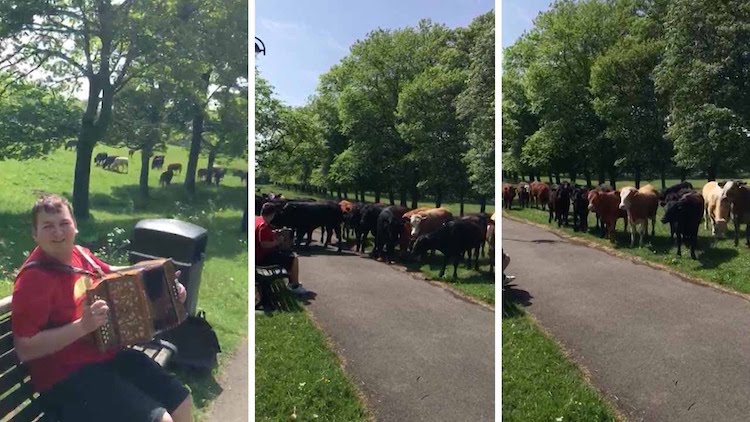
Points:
(171, 226)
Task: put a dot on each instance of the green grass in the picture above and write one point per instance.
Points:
(478, 284)
(115, 204)
(539, 383)
(296, 373)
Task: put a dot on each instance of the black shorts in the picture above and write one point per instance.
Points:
(282, 258)
(129, 388)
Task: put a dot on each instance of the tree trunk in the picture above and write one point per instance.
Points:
(550, 178)
(145, 158)
(377, 196)
(439, 198)
(482, 203)
(84, 152)
(197, 137)
(402, 195)
(587, 173)
(392, 197)
(663, 178)
(683, 175)
(557, 178)
(461, 200)
(573, 175)
(637, 175)
(415, 197)
(711, 172)
(210, 166)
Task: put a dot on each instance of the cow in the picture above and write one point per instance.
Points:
(741, 212)
(716, 208)
(540, 194)
(131, 152)
(72, 145)
(453, 239)
(353, 219)
(217, 173)
(559, 203)
(426, 221)
(242, 174)
(509, 192)
(684, 215)
(368, 223)
(405, 240)
(641, 205)
(389, 227)
(175, 167)
(304, 217)
(202, 174)
(480, 219)
(606, 205)
(99, 159)
(118, 163)
(524, 195)
(158, 162)
(580, 209)
(166, 178)
(671, 194)
(107, 163)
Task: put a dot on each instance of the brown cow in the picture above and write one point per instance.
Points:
(509, 192)
(641, 205)
(428, 221)
(405, 238)
(607, 206)
(175, 168)
(540, 194)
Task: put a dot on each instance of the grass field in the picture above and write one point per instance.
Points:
(539, 383)
(115, 210)
(478, 284)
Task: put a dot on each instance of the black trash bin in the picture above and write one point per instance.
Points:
(184, 242)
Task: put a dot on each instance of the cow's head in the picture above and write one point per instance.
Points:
(415, 220)
(626, 197)
(593, 198)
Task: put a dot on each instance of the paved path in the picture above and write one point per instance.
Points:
(232, 403)
(417, 352)
(661, 348)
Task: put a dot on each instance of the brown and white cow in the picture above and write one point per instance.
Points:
(717, 206)
(405, 238)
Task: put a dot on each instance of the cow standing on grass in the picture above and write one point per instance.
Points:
(684, 214)
(716, 208)
(580, 209)
(671, 194)
(509, 192)
(606, 205)
(641, 206)
(453, 240)
(741, 212)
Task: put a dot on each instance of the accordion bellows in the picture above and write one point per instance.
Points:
(143, 301)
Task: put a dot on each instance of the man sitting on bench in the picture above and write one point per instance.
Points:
(51, 323)
(267, 251)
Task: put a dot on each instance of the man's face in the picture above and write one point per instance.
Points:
(55, 232)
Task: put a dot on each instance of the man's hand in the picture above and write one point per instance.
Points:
(94, 316)
(181, 291)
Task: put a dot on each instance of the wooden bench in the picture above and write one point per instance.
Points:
(265, 276)
(18, 401)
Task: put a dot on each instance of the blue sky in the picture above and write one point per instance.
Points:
(518, 16)
(305, 38)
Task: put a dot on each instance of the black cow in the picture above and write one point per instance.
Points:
(158, 162)
(166, 178)
(671, 194)
(524, 195)
(368, 223)
(453, 239)
(352, 220)
(108, 161)
(580, 209)
(304, 217)
(99, 158)
(389, 227)
(480, 219)
(559, 203)
(741, 213)
(685, 214)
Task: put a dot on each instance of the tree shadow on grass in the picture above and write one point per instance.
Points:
(712, 257)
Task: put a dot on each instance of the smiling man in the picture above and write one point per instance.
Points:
(51, 323)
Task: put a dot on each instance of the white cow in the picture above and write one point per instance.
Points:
(119, 163)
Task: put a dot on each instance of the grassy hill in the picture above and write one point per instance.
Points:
(116, 208)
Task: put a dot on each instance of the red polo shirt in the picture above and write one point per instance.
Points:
(44, 299)
(263, 232)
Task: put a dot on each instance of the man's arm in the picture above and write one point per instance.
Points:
(50, 341)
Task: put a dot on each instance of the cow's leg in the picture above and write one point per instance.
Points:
(551, 214)
(679, 243)
(747, 235)
(706, 216)
(455, 267)
(337, 229)
(476, 260)
(445, 264)
(653, 227)
(309, 236)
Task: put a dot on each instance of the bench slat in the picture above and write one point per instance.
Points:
(11, 378)
(31, 412)
(6, 343)
(7, 361)
(16, 398)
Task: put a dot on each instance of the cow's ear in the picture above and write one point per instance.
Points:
(722, 183)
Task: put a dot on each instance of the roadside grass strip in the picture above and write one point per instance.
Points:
(297, 377)
(539, 382)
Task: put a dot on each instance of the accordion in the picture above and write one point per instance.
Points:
(143, 301)
(285, 236)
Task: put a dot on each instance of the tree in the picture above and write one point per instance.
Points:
(227, 133)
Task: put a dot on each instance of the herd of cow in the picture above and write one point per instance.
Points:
(115, 163)
(413, 230)
(684, 208)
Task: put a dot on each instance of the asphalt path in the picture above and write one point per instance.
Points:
(416, 351)
(659, 347)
